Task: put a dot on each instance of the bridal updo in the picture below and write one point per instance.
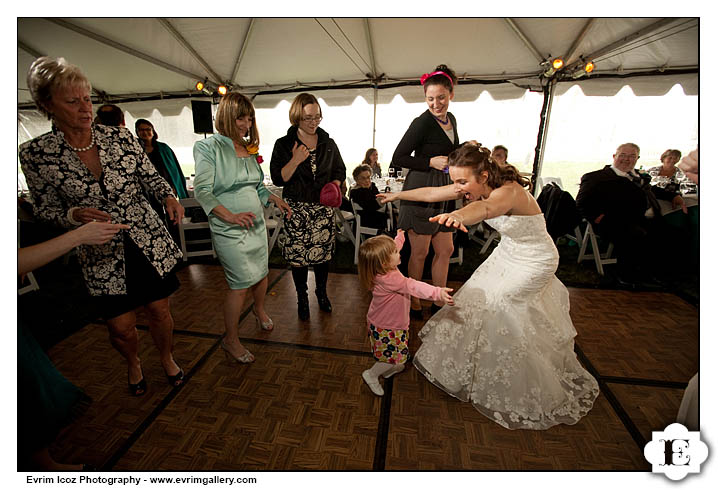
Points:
(479, 160)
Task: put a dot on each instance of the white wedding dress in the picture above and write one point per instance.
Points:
(507, 344)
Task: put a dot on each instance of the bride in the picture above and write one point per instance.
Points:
(507, 344)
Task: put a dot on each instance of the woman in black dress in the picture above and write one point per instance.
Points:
(424, 150)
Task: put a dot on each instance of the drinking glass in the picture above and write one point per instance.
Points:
(399, 174)
(391, 172)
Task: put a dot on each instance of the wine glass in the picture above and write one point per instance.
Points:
(399, 174)
(391, 172)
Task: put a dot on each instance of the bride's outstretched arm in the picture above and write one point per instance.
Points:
(498, 203)
(423, 194)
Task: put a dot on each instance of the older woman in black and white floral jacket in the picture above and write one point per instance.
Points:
(79, 173)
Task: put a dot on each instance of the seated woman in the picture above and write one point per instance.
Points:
(364, 194)
(371, 158)
(668, 176)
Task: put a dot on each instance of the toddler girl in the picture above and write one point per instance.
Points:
(388, 316)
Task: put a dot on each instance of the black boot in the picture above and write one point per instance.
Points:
(299, 276)
(323, 301)
(303, 306)
(321, 275)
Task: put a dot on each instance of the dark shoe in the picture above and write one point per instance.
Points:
(303, 308)
(177, 379)
(137, 389)
(416, 314)
(323, 301)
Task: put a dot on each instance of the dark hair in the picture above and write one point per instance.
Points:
(367, 155)
(479, 160)
(110, 115)
(145, 121)
(440, 79)
(501, 147)
(363, 167)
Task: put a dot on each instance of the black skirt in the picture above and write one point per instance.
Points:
(144, 285)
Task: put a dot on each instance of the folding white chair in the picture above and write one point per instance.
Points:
(274, 222)
(486, 237)
(542, 181)
(193, 203)
(343, 220)
(360, 230)
(600, 259)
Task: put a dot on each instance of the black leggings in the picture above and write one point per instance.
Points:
(321, 274)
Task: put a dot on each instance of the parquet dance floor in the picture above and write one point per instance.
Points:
(303, 405)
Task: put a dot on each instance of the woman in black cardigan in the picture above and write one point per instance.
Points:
(431, 137)
(303, 162)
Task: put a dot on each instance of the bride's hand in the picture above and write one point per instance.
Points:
(451, 220)
(385, 197)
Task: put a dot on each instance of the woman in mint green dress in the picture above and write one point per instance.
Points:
(229, 187)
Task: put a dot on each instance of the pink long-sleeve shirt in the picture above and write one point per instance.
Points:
(391, 297)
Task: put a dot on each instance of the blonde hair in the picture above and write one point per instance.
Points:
(231, 107)
(47, 74)
(295, 110)
(374, 256)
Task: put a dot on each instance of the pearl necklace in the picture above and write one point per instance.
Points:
(85, 148)
(443, 123)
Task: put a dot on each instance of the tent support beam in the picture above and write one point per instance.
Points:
(542, 133)
(374, 74)
(537, 54)
(122, 47)
(243, 50)
(620, 43)
(186, 45)
(579, 39)
(36, 54)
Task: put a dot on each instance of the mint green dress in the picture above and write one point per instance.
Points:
(236, 183)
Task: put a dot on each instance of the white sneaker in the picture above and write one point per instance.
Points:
(394, 370)
(373, 383)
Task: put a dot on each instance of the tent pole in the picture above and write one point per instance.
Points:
(542, 133)
(373, 132)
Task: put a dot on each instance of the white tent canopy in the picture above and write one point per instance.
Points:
(127, 58)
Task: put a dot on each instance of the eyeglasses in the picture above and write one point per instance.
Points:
(309, 119)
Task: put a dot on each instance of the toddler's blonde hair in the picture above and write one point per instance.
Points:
(374, 256)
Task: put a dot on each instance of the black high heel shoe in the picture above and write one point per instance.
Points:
(177, 379)
(139, 388)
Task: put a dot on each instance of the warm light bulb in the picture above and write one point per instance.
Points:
(589, 67)
(199, 86)
(557, 64)
(222, 89)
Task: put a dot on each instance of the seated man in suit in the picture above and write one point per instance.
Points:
(622, 207)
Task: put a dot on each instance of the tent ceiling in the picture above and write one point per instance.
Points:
(145, 57)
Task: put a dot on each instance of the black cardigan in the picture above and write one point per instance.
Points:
(303, 185)
(425, 139)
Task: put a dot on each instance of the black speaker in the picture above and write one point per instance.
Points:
(202, 116)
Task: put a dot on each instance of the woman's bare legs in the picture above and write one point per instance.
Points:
(232, 311)
(123, 337)
(419, 251)
(161, 329)
(443, 248)
(259, 291)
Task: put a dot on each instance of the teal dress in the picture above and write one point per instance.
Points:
(237, 184)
